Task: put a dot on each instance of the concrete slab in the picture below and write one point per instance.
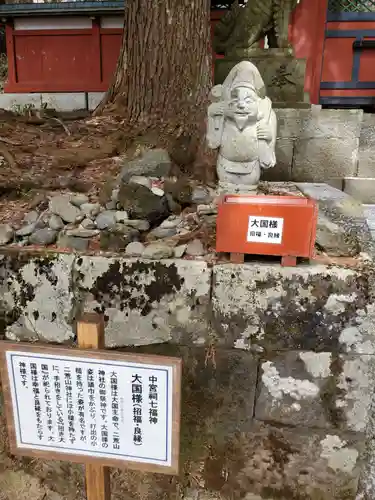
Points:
(146, 302)
(366, 157)
(362, 189)
(295, 390)
(65, 101)
(94, 99)
(289, 122)
(369, 211)
(336, 183)
(37, 297)
(332, 124)
(322, 159)
(271, 308)
(61, 101)
(346, 213)
(13, 101)
(284, 159)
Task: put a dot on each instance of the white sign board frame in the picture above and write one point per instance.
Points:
(93, 406)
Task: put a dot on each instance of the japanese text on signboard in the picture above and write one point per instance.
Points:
(104, 408)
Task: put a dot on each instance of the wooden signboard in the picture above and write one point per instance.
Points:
(92, 406)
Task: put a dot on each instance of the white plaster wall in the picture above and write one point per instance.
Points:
(112, 21)
(94, 99)
(52, 23)
(61, 101)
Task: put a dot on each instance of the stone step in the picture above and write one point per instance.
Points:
(370, 216)
(361, 188)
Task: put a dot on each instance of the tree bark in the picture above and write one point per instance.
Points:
(163, 73)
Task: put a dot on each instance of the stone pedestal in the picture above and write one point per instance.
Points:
(283, 74)
(228, 188)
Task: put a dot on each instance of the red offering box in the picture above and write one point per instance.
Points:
(283, 226)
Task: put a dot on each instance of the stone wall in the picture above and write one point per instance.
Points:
(326, 145)
(278, 362)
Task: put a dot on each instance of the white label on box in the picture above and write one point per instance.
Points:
(265, 229)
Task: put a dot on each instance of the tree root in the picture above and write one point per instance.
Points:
(9, 158)
(61, 123)
(8, 141)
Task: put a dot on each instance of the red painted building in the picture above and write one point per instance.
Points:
(73, 47)
(65, 47)
(348, 62)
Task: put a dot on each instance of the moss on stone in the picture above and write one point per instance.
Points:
(330, 393)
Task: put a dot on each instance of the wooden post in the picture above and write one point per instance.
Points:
(11, 55)
(90, 334)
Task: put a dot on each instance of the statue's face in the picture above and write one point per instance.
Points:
(243, 102)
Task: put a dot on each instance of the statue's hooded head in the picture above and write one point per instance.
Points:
(247, 73)
(243, 89)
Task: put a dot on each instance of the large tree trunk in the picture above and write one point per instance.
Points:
(163, 74)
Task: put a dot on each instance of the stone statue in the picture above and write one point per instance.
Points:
(243, 26)
(242, 125)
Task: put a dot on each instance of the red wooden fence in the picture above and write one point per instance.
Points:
(63, 60)
(83, 60)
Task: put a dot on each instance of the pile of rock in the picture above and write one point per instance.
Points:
(141, 215)
(148, 213)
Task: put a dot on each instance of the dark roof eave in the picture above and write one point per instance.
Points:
(58, 9)
(95, 8)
